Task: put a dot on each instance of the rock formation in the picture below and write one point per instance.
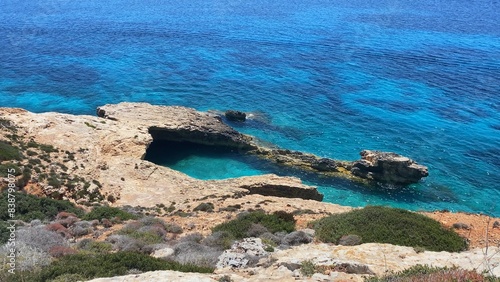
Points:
(388, 167)
(109, 151)
(235, 115)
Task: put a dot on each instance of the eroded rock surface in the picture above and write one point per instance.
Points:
(388, 167)
(108, 152)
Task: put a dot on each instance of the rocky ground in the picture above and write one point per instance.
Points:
(107, 153)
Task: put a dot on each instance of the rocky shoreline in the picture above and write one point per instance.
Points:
(103, 159)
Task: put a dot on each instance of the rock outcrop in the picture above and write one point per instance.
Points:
(109, 150)
(375, 166)
(388, 167)
(174, 123)
(235, 115)
(241, 253)
(108, 153)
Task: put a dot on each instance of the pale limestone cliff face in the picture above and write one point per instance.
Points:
(111, 150)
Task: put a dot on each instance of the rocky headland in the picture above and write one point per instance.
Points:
(100, 159)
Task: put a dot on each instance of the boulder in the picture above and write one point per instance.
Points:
(388, 167)
(241, 253)
(235, 115)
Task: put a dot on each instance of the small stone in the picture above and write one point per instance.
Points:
(163, 253)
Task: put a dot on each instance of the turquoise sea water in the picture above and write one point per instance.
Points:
(327, 77)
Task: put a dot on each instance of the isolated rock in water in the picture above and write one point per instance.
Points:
(235, 115)
(241, 253)
(388, 167)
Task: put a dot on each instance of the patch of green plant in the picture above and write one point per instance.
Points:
(206, 207)
(307, 268)
(96, 247)
(9, 167)
(429, 273)
(278, 221)
(90, 266)
(109, 213)
(29, 207)
(9, 152)
(389, 225)
(96, 182)
(54, 181)
(47, 148)
(90, 125)
(34, 161)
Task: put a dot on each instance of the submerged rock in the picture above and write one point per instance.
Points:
(235, 115)
(388, 167)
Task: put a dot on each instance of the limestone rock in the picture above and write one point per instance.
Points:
(163, 253)
(388, 167)
(235, 115)
(241, 252)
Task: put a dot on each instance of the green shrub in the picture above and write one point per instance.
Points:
(307, 268)
(47, 148)
(206, 207)
(275, 222)
(108, 212)
(424, 273)
(5, 168)
(29, 207)
(9, 152)
(94, 246)
(389, 225)
(90, 266)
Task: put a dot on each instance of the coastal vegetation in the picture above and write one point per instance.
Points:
(89, 266)
(375, 224)
(29, 207)
(246, 222)
(101, 212)
(421, 273)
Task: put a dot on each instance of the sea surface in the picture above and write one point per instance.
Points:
(420, 78)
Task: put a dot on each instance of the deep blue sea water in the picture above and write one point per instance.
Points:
(420, 78)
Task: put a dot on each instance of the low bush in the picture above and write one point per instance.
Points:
(60, 251)
(296, 238)
(29, 207)
(90, 266)
(149, 230)
(221, 240)
(9, 168)
(206, 207)
(238, 228)
(195, 253)
(389, 225)
(39, 237)
(9, 152)
(255, 230)
(28, 258)
(108, 212)
(126, 243)
(421, 273)
(96, 247)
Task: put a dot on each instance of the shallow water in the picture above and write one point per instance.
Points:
(325, 77)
